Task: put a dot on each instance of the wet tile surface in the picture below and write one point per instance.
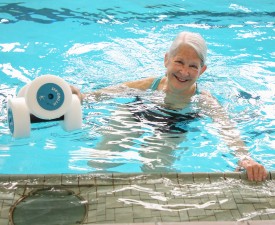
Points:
(162, 199)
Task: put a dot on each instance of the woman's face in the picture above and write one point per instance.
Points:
(183, 69)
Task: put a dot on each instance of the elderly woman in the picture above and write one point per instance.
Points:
(185, 63)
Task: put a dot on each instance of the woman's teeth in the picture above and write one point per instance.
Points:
(180, 79)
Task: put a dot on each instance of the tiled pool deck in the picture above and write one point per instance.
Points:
(154, 199)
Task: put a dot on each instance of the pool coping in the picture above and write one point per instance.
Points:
(27, 183)
(117, 178)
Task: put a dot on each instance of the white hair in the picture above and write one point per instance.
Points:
(194, 40)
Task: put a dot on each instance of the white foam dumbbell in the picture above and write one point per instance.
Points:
(47, 98)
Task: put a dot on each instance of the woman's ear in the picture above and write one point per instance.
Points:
(166, 59)
(203, 69)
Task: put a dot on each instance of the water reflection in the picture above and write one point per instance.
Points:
(167, 12)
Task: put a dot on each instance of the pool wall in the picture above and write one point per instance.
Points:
(152, 198)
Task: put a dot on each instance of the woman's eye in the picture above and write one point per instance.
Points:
(194, 66)
(180, 62)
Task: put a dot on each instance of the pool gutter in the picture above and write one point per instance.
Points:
(154, 198)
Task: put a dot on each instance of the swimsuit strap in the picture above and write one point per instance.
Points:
(155, 83)
(197, 90)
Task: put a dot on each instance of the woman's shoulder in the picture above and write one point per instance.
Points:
(205, 94)
(142, 84)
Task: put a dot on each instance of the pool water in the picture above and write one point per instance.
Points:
(93, 44)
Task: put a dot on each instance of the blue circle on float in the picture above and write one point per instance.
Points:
(50, 96)
(10, 121)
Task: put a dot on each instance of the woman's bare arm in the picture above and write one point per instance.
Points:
(231, 136)
(142, 84)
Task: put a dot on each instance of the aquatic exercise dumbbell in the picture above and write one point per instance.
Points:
(46, 98)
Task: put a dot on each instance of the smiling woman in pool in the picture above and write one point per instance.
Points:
(185, 63)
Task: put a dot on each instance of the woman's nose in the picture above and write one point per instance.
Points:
(184, 70)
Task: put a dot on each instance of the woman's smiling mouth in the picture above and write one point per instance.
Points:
(180, 79)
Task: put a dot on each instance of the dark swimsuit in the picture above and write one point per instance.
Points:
(164, 120)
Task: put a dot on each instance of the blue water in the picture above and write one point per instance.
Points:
(94, 44)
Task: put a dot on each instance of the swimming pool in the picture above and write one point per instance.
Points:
(93, 45)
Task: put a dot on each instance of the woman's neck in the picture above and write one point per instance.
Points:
(175, 97)
(179, 94)
(179, 99)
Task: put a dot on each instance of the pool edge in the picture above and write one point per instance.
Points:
(26, 183)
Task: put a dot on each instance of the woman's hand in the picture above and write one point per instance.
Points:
(77, 92)
(254, 170)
